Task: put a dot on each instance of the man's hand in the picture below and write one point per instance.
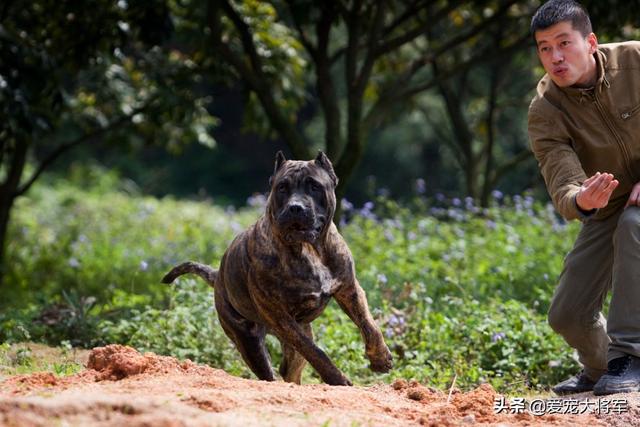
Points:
(634, 198)
(596, 191)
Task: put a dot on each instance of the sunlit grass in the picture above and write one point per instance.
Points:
(29, 357)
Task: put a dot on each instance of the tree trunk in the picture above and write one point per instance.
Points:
(8, 193)
(462, 136)
(5, 212)
(489, 172)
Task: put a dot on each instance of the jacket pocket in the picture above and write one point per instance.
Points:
(625, 115)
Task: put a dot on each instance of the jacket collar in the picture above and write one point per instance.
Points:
(601, 82)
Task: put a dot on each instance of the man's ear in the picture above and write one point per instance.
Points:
(593, 43)
(323, 161)
(280, 159)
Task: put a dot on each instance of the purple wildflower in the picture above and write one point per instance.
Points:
(498, 336)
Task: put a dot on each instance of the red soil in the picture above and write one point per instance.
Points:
(123, 387)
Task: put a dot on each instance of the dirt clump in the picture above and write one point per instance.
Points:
(115, 362)
(479, 403)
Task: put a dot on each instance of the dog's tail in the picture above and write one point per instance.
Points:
(204, 271)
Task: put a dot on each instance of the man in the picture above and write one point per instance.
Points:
(584, 129)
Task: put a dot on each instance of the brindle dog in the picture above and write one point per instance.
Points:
(278, 276)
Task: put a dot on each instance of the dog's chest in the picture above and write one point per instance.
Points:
(307, 287)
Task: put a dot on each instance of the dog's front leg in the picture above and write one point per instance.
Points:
(285, 327)
(290, 332)
(352, 299)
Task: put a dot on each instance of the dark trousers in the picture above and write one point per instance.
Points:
(605, 256)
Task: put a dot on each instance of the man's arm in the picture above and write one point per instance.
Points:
(558, 162)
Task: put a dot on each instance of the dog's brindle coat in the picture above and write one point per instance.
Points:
(278, 276)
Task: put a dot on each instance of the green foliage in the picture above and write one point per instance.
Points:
(30, 357)
(188, 329)
(505, 343)
(456, 289)
(456, 248)
(58, 87)
(103, 244)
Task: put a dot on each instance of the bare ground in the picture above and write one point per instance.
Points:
(123, 387)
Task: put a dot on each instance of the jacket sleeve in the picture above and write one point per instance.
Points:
(558, 162)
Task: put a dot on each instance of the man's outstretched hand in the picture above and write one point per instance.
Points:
(596, 191)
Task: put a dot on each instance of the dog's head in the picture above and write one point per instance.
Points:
(302, 200)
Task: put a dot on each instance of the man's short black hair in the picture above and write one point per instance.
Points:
(555, 11)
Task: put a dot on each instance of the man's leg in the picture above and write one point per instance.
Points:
(623, 374)
(576, 304)
(624, 310)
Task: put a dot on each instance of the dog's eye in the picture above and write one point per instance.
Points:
(282, 188)
(315, 186)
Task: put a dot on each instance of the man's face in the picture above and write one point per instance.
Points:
(566, 55)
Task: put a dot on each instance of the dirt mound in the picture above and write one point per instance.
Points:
(115, 362)
(122, 386)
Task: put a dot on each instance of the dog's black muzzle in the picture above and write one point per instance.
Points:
(299, 223)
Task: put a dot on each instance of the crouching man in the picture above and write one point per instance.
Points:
(584, 130)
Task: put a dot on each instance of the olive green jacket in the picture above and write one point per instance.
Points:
(575, 133)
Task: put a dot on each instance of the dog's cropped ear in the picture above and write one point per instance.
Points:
(323, 161)
(280, 159)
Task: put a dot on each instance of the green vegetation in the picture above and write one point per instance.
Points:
(25, 358)
(457, 289)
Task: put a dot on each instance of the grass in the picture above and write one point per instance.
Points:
(30, 357)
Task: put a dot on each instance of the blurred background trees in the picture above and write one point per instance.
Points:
(193, 97)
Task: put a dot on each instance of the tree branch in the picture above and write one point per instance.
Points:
(3, 144)
(353, 29)
(303, 37)
(234, 60)
(490, 118)
(419, 30)
(5, 10)
(459, 124)
(325, 85)
(400, 91)
(512, 163)
(474, 31)
(480, 58)
(419, 63)
(436, 126)
(12, 180)
(245, 37)
(61, 149)
(253, 76)
(410, 11)
(342, 9)
(353, 149)
(372, 42)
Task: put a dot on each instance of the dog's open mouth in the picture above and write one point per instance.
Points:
(302, 233)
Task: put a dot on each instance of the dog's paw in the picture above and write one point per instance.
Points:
(381, 362)
(345, 382)
(338, 380)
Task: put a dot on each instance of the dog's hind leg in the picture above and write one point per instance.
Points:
(248, 337)
(292, 361)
